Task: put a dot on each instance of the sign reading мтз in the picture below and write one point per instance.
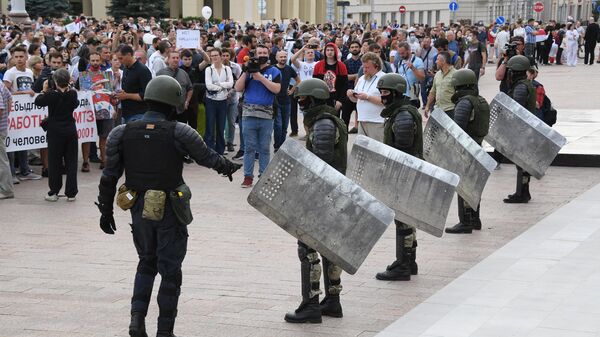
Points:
(25, 133)
(319, 206)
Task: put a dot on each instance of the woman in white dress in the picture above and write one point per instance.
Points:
(572, 37)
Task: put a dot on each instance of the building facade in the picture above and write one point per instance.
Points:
(471, 11)
(383, 11)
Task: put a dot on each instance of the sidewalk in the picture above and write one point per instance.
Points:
(542, 284)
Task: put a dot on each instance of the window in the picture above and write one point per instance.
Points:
(429, 13)
(394, 17)
(412, 18)
(420, 17)
(437, 16)
(402, 18)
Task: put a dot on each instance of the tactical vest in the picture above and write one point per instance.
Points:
(151, 160)
(531, 99)
(479, 125)
(388, 133)
(340, 157)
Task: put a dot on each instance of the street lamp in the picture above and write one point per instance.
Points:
(343, 4)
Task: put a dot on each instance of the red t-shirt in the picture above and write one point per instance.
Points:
(243, 53)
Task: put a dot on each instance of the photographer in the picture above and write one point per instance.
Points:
(61, 134)
(515, 47)
(261, 83)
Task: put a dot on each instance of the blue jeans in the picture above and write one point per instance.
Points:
(282, 120)
(257, 137)
(232, 112)
(21, 156)
(216, 111)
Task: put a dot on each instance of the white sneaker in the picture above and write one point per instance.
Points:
(5, 196)
(71, 199)
(30, 176)
(16, 180)
(51, 198)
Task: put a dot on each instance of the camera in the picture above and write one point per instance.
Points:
(511, 49)
(51, 83)
(253, 65)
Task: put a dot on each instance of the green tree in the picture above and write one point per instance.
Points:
(47, 8)
(134, 8)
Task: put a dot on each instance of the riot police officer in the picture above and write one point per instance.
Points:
(327, 138)
(151, 153)
(523, 92)
(472, 114)
(403, 131)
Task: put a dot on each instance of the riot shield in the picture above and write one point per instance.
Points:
(522, 137)
(446, 145)
(419, 192)
(320, 206)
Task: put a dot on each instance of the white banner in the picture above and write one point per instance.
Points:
(187, 38)
(25, 132)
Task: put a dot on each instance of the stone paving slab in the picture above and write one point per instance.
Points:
(60, 275)
(543, 283)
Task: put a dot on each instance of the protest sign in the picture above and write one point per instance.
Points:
(187, 38)
(73, 27)
(25, 132)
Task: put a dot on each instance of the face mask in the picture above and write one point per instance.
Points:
(413, 39)
(305, 103)
(263, 59)
(386, 100)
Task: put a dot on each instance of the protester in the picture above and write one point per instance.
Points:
(367, 98)
(219, 79)
(61, 134)
(6, 181)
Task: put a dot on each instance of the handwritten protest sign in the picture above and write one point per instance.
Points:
(25, 132)
(187, 38)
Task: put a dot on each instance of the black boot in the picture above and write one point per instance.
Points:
(399, 270)
(165, 334)
(307, 312)
(137, 327)
(475, 220)
(464, 226)
(331, 306)
(521, 195)
(414, 268)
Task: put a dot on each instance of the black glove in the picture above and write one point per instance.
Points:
(107, 221)
(227, 168)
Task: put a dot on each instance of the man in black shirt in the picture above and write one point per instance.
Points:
(282, 100)
(135, 78)
(592, 34)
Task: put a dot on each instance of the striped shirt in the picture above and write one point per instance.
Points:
(5, 101)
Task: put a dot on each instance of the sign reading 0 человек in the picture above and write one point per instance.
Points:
(25, 132)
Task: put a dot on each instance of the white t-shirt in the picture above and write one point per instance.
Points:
(21, 80)
(367, 111)
(157, 62)
(305, 71)
(519, 32)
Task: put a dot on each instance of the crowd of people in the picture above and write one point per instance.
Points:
(246, 75)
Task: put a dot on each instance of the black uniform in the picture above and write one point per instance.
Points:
(403, 131)
(151, 152)
(523, 92)
(472, 114)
